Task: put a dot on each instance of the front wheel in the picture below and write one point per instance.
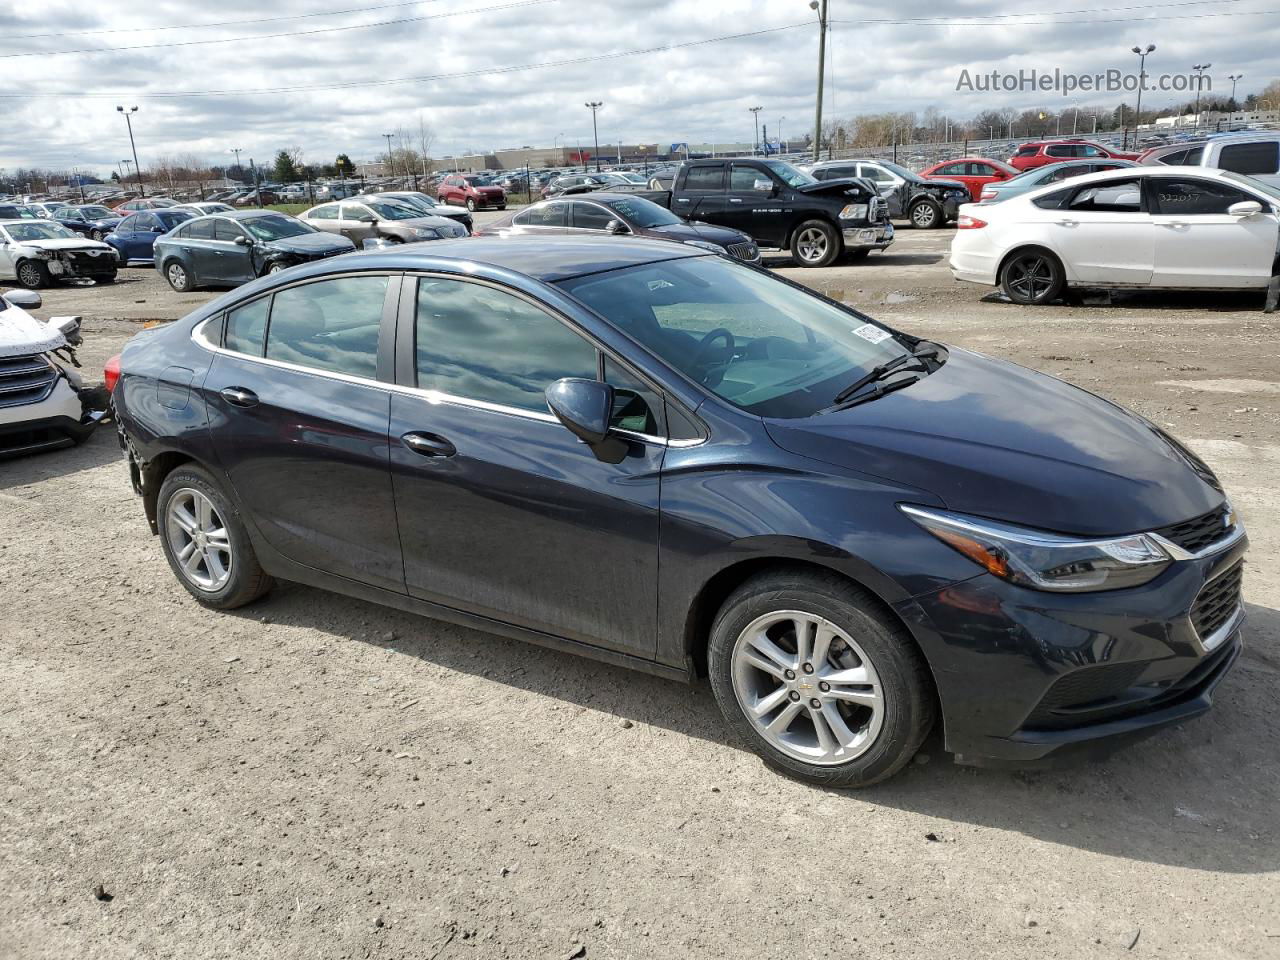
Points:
(1032, 278)
(818, 680)
(206, 543)
(33, 275)
(96, 235)
(276, 267)
(925, 215)
(815, 244)
(107, 278)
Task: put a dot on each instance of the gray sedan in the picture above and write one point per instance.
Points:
(1043, 176)
(373, 218)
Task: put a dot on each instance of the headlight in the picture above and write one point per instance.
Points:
(707, 245)
(45, 255)
(1046, 561)
(854, 211)
(426, 233)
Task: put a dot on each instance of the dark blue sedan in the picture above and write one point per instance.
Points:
(90, 220)
(667, 460)
(135, 235)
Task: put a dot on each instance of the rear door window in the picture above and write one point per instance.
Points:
(705, 178)
(553, 214)
(330, 325)
(1251, 158)
(247, 327)
(1115, 196)
(1027, 151)
(199, 230)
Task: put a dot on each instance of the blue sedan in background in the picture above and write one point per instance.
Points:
(1039, 177)
(135, 235)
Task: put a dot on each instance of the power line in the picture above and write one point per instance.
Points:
(942, 22)
(216, 23)
(274, 36)
(487, 71)
(1052, 13)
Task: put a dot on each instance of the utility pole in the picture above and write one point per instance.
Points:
(129, 123)
(1234, 78)
(755, 115)
(390, 166)
(1199, 69)
(239, 169)
(821, 7)
(1142, 82)
(593, 106)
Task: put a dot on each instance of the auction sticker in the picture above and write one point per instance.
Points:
(871, 333)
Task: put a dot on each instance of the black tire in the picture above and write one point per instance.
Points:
(107, 278)
(96, 235)
(1032, 277)
(33, 275)
(471, 204)
(908, 700)
(179, 276)
(502, 206)
(247, 581)
(816, 243)
(926, 215)
(860, 254)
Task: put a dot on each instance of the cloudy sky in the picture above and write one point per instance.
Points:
(194, 69)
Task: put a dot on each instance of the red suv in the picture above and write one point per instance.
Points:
(471, 189)
(1038, 153)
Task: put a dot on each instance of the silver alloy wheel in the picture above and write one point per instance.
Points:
(924, 215)
(29, 275)
(199, 539)
(811, 245)
(177, 276)
(275, 267)
(807, 687)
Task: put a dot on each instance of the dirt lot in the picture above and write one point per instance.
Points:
(317, 777)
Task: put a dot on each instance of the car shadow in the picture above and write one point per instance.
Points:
(1200, 796)
(102, 447)
(1204, 301)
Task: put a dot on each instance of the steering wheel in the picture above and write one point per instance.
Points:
(706, 353)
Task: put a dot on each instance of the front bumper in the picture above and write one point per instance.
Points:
(1029, 678)
(875, 237)
(80, 265)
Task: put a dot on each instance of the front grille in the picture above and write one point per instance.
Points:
(84, 262)
(1083, 688)
(25, 379)
(1199, 532)
(1217, 602)
(744, 251)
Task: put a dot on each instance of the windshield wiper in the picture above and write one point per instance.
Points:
(883, 370)
(879, 391)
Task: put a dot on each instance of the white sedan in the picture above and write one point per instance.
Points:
(1153, 228)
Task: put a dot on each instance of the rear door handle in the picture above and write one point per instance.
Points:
(735, 199)
(1176, 224)
(1069, 223)
(239, 396)
(428, 444)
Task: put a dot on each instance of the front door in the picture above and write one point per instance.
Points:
(228, 254)
(1199, 244)
(502, 511)
(298, 420)
(1104, 233)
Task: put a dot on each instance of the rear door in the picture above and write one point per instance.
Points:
(298, 417)
(701, 196)
(1199, 244)
(324, 218)
(1105, 234)
(502, 511)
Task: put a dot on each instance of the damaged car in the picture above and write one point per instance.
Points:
(928, 204)
(44, 403)
(37, 252)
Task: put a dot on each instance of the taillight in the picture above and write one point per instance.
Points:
(988, 195)
(966, 222)
(111, 373)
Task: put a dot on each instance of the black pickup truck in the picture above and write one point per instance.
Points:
(780, 206)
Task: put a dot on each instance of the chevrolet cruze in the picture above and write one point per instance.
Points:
(671, 461)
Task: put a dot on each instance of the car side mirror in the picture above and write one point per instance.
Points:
(241, 241)
(585, 407)
(23, 299)
(616, 227)
(763, 185)
(157, 229)
(1245, 208)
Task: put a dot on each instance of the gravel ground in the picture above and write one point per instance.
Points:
(317, 777)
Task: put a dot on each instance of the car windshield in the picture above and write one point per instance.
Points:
(909, 175)
(275, 228)
(216, 207)
(1254, 184)
(393, 210)
(415, 199)
(760, 343)
(789, 174)
(22, 232)
(643, 213)
(97, 213)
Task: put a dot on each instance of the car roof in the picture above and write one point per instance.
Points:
(1124, 173)
(12, 222)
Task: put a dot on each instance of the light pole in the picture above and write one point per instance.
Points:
(559, 152)
(390, 165)
(133, 146)
(127, 165)
(780, 119)
(755, 115)
(120, 166)
(1199, 69)
(236, 151)
(1234, 78)
(593, 106)
(821, 7)
(1142, 82)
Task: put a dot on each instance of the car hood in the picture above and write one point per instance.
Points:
(697, 231)
(944, 184)
(66, 243)
(991, 438)
(311, 243)
(833, 187)
(22, 334)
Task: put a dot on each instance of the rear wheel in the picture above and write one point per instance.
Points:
(471, 204)
(206, 543)
(33, 274)
(821, 683)
(815, 244)
(1032, 277)
(178, 276)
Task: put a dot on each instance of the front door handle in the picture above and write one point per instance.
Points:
(735, 199)
(1068, 223)
(428, 444)
(1176, 224)
(239, 396)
